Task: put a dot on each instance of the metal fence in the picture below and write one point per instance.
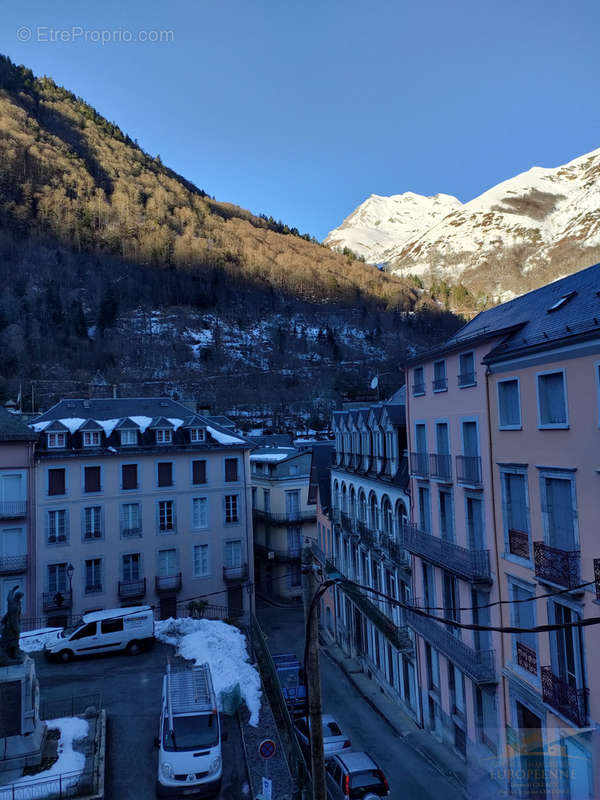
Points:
(69, 706)
(55, 787)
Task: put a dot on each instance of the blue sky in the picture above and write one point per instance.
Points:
(302, 110)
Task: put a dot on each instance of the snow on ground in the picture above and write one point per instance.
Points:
(35, 640)
(221, 646)
(69, 762)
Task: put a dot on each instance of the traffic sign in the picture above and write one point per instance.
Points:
(267, 748)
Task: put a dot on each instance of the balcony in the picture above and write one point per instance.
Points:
(235, 574)
(367, 535)
(560, 567)
(395, 553)
(398, 636)
(281, 556)
(466, 379)
(440, 385)
(13, 564)
(167, 584)
(569, 701)
(131, 533)
(132, 590)
(477, 664)
(12, 509)
(285, 517)
(418, 389)
(418, 465)
(471, 565)
(440, 467)
(468, 470)
(518, 543)
(526, 658)
(57, 601)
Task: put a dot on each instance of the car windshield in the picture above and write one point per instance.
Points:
(190, 733)
(368, 778)
(66, 632)
(290, 678)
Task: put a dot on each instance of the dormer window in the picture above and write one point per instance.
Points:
(164, 436)
(128, 437)
(57, 440)
(197, 435)
(91, 438)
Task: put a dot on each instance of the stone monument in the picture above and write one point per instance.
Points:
(22, 733)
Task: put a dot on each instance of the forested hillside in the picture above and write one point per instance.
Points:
(111, 262)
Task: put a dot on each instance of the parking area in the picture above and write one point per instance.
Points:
(130, 687)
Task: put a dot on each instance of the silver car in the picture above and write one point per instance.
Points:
(333, 738)
(354, 776)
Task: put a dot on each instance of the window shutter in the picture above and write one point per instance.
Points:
(102, 530)
(174, 515)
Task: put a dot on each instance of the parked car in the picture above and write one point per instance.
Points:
(334, 739)
(293, 683)
(130, 629)
(354, 776)
(189, 741)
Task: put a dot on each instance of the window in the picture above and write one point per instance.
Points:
(111, 625)
(470, 439)
(267, 500)
(91, 438)
(198, 472)
(294, 542)
(293, 469)
(197, 435)
(509, 407)
(418, 381)
(516, 513)
(254, 495)
(451, 601)
(475, 533)
(231, 508)
(456, 684)
(294, 575)
(200, 512)
(56, 440)
(92, 479)
(128, 437)
(292, 504)
(166, 516)
(201, 563)
(231, 469)
(440, 382)
(424, 509)
(428, 587)
(487, 718)
(129, 476)
(566, 647)
(93, 575)
(559, 512)
(433, 667)
(57, 481)
(524, 645)
(233, 553)
(92, 522)
(164, 436)
(57, 526)
(57, 578)
(85, 632)
(552, 401)
(131, 567)
(167, 563)
(466, 370)
(164, 473)
(131, 520)
(446, 515)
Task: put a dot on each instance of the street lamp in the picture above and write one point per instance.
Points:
(70, 571)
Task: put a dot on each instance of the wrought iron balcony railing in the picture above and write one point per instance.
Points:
(440, 384)
(270, 553)
(285, 517)
(440, 466)
(568, 700)
(130, 590)
(418, 388)
(56, 601)
(419, 465)
(561, 567)
(518, 543)
(13, 564)
(235, 574)
(11, 509)
(397, 635)
(131, 533)
(526, 658)
(167, 584)
(479, 665)
(471, 565)
(466, 379)
(348, 522)
(468, 470)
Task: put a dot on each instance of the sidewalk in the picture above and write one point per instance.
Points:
(435, 753)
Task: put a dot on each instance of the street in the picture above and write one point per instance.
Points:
(130, 687)
(409, 775)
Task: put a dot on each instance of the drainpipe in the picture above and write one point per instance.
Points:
(31, 533)
(249, 521)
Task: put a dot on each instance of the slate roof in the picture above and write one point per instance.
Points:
(12, 429)
(322, 457)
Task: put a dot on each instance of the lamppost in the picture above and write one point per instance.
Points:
(70, 571)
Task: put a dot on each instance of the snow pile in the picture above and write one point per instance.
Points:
(223, 438)
(69, 763)
(108, 425)
(223, 648)
(35, 640)
(143, 422)
(175, 422)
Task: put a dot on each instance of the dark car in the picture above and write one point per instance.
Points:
(355, 776)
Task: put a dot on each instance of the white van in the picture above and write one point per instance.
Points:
(128, 629)
(189, 740)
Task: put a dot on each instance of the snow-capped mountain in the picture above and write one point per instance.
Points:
(522, 233)
(381, 224)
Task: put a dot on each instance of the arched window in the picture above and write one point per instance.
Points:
(373, 512)
(336, 494)
(400, 516)
(344, 499)
(387, 517)
(353, 509)
(362, 506)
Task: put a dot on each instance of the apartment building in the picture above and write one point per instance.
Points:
(139, 500)
(283, 517)
(369, 483)
(16, 518)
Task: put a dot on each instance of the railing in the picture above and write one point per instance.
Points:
(10, 509)
(394, 551)
(518, 543)
(477, 664)
(569, 701)
(466, 379)
(68, 707)
(283, 518)
(440, 384)
(440, 466)
(167, 583)
(348, 522)
(472, 565)
(291, 554)
(397, 635)
(56, 601)
(526, 658)
(557, 566)
(64, 785)
(367, 535)
(131, 533)
(93, 588)
(13, 564)
(132, 589)
(235, 574)
(418, 465)
(468, 470)
(418, 388)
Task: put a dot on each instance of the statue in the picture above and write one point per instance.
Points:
(10, 652)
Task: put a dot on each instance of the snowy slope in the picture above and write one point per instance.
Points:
(381, 224)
